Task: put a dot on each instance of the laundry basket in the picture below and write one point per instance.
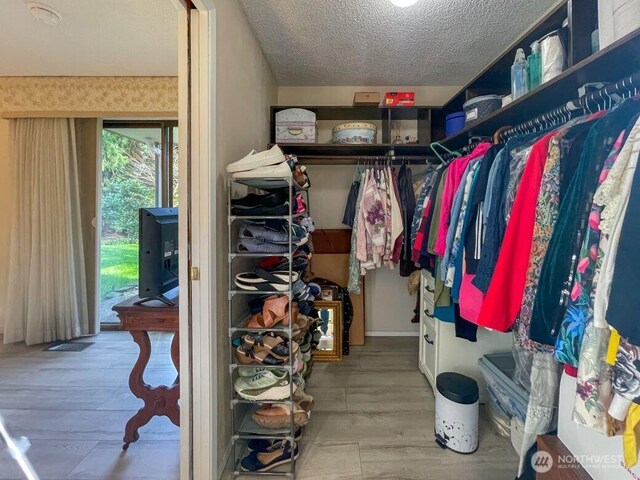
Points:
(456, 425)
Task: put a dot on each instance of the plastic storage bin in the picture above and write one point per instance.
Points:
(479, 107)
(456, 425)
(505, 396)
(454, 122)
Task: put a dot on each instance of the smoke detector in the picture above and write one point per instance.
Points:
(44, 13)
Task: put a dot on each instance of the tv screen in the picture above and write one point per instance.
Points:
(158, 253)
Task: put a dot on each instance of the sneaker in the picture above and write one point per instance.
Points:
(251, 245)
(281, 170)
(258, 160)
(264, 445)
(265, 461)
(264, 385)
(247, 372)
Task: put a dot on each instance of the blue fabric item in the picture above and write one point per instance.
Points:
(456, 252)
(453, 225)
(445, 314)
(496, 221)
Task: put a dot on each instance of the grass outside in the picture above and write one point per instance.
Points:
(118, 267)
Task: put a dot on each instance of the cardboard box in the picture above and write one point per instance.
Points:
(399, 99)
(369, 99)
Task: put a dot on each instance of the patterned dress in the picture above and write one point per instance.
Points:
(546, 214)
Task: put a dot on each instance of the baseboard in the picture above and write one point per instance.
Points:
(371, 333)
(225, 459)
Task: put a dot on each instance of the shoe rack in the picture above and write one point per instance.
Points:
(244, 429)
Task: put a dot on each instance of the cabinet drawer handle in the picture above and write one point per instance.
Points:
(427, 339)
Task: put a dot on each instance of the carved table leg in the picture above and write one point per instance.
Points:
(139, 388)
(161, 400)
(175, 355)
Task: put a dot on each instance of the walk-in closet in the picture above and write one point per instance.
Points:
(431, 255)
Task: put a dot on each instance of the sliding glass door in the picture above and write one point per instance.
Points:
(139, 170)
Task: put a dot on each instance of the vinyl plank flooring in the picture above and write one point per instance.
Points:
(144, 460)
(50, 459)
(414, 461)
(84, 425)
(73, 407)
(381, 399)
(328, 399)
(390, 427)
(55, 398)
(358, 378)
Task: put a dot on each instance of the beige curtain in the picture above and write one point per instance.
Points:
(47, 297)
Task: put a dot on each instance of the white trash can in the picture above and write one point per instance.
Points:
(456, 425)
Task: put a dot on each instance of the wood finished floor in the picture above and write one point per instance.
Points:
(73, 408)
(373, 419)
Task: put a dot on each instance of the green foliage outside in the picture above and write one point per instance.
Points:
(128, 184)
(118, 267)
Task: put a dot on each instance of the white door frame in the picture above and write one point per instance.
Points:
(198, 375)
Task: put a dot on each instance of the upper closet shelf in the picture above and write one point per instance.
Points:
(348, 154)
(609, 64)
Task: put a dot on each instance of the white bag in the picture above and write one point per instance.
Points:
(552, 56)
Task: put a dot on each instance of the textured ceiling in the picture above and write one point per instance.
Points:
(373, 42)
(95, 37)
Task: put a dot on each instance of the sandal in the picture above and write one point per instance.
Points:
(247, 356)
(276, 346)
(276, 310)
(279, 416)
(261, 280)
(304, 400)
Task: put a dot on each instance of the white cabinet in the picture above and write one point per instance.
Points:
(440, 349)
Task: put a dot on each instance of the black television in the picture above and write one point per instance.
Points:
(158, 255)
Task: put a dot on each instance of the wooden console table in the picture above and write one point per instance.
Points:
(139, 320)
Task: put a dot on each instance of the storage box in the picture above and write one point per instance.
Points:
(296, 125)
(479, 107)
(399, 99)
(368, 99)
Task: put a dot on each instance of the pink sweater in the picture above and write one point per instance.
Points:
(454, 176)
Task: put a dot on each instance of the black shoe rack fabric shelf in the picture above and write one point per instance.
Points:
(244, 429)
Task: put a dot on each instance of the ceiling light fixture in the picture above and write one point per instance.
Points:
(403, 3)
(44, 13)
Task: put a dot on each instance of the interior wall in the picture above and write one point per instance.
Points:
(389, 307)
(246, 88)
(111, 97)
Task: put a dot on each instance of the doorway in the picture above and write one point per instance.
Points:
(139, 165)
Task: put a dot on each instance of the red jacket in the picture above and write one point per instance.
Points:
(504, 297)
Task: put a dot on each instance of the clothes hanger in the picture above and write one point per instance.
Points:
(432, 146)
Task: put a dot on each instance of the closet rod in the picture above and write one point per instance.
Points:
(587, 103)
(363, 159)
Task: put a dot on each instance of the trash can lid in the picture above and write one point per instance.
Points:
(457, 387)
